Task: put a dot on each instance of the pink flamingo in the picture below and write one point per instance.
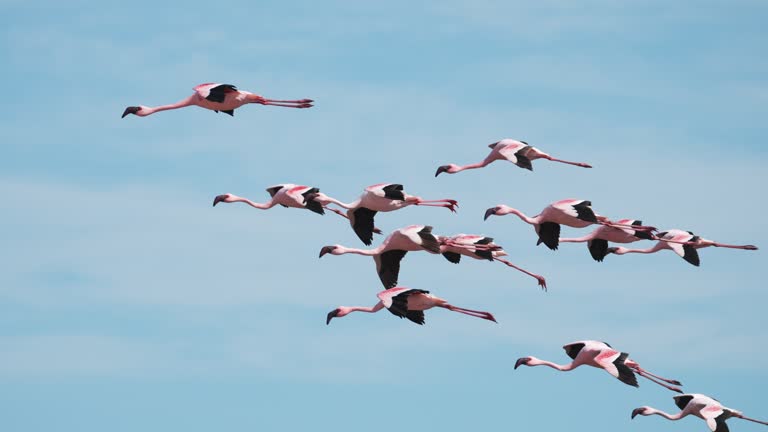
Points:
(517, 152)
(597, 240)
(383, 197)
(570, 212)
(601, 355)
(218, 97)
(683, 243)
(392, 250)
(481, 248)
(406, 303)
(704, 407)
(286, 195)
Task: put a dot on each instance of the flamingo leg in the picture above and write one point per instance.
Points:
(302, 105)
(743, 417)
(542, 281)
(649, 378)
(340, 213)
(637, 368)
(581, 164)
(449, 206)
(470, 312)
(746, 247)
(299, 101)
(620, 225)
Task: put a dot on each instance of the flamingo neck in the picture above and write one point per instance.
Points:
(261, 206)
(666, 415)
(341, 250)
(180, 104)
(369, 309)
(524, 217)
(472, 166)
(586, 238)
(349, 206)
(564, 368)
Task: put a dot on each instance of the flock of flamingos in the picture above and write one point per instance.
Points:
(411, 303)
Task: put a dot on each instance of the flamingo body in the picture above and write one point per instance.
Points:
(517, 152)
(388, 255)
(597, 240)
(217, 97)
(706, 408)
(406, 303)
(382, 197)
(286, 195)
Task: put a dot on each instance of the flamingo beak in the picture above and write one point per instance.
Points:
(521, 361)
(331, 315)
(489, 316)
(326, 250)
(611, 250)
(637, 411)
(218, 199)
(130, 110)
(489, 212)
(441, 169)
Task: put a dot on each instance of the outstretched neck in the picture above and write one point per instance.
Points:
(353, 205)
(666, 415)
(472, 166)
(261, 206)
(367, 252)
(564, 368)
(531, 220)
(657, 247)
(181, 104)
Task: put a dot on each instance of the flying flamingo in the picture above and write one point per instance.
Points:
(517, 152)
(601, 355)
(481, 248)
(704, 407)
(392, 250)
(406, 303)
(570, 212)
(683, 243)
(383, 197)
(286, 195)
(597, 240)
(218, 97)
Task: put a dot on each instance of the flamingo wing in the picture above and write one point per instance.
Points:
(682, 400)
(598, 248)
(715, 416)
(398, 304)
(363, 224)
(428, 240)
(517, 154)
(388, 266)
(215, 92)
(685, 251)
(311, 204)
(573, 349)
(613, 363)
(453, 257)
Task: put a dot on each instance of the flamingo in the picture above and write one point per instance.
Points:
(683, 243)
(392, 250)
(218, 97)
(517, 152)
(704, 407)
(570, 212)
(597, 240)
(406, 303)
(382, 197)
(601, 355)
(286, 195)
(481, 248)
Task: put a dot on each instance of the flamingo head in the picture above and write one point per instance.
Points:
(522, 361)
(227, 198)
(644, 410)
(499, 210)
(333, 250)
(135, 110)
(450, 169)
(616, 250)
(336, 313)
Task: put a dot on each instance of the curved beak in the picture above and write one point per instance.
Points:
(325, 250)
(521, 361)
(441, 169)
(636, 411)
(130, 110)
(331, 315)
(218, 199)
(489, 212)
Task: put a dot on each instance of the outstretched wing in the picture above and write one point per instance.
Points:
(613, 362)
(428, 240)
(452, 257)
(598, 248)
(573, 349)
(311, 204)
(215, 92)
(687, 252)
(716, 416)
(363, 224)
(396, 301)
(388, 266)
(516, 153)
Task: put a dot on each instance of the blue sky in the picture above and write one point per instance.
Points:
(128, 303)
